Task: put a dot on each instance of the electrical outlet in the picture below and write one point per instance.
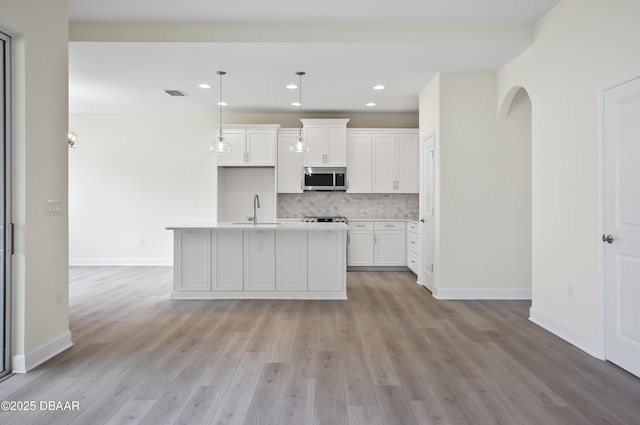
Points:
(485, 264)
(143, 241)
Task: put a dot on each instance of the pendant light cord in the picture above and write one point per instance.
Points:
(220, 136)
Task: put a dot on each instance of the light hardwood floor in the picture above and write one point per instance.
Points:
(391, 354)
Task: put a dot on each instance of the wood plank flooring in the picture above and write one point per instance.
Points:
(391, 354)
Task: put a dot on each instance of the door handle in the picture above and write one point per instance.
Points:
(422, 220)
(607, 238)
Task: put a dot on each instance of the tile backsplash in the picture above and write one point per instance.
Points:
(350, 205)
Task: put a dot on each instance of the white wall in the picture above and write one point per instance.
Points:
(483, 187)
(39, 88)
(578, 46)
(130, 176)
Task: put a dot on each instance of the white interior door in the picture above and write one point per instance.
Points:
(427, 208)
(622, 224)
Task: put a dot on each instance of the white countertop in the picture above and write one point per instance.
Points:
(286, 225)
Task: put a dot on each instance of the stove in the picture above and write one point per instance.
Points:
(324, 219)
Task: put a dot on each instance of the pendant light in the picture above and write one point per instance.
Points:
(220, 145)
(299, 145)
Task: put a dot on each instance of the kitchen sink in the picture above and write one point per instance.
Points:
(251, 224)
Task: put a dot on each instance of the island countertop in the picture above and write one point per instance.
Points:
(286, 225)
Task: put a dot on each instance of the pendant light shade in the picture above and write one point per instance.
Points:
(299, 145)
(220, 145)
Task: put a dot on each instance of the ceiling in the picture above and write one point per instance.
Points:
(345, 47)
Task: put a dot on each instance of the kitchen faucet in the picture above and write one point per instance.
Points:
(256, 205)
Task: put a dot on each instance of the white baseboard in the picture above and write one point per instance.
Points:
(482, 293)
(22, 363)
(120, 262)
(572, 336)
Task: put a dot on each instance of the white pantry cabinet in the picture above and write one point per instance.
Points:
(251, 145)
(327, 142)
(395, 162)
(259, 260)
(290, 164)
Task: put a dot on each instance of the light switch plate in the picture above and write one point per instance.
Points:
(54, 208)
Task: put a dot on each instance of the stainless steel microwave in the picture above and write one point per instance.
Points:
(325, 178)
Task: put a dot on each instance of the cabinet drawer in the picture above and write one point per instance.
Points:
(413, 227)
(389, 225)
(412, 261)
(412, 242)
(361, 225)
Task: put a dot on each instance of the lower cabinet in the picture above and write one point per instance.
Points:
(259, 260)
(227, 260)
(291, 261)
(191, 271)
(379, 243)
(326, 259)
(259, 263)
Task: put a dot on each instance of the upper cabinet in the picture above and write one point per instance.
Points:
(327, 142)
(290, 164)
(251, 145)
(359, 161)
(382, 160)
(395, 162)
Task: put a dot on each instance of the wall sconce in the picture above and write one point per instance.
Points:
(72, 137)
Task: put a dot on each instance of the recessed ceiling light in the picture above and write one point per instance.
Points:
(371, 104)
(379, 87)
(204, 86)
(296, 104)
(291, 86)
(222, 103)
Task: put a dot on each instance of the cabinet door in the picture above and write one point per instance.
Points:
(407, 163)
(289, 165)
(336, 155)
(384, 160)
(360, 248)
(327, 265)
(192, 260)
(390, 248)
(291, 260)
(359, 163)
(316, 140)
(259, 260)
(236, 140)
(227, 260)
(261, 147)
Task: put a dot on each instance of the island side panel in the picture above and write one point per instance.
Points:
(327, 260)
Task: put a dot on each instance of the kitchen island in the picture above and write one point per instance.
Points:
(288, 260)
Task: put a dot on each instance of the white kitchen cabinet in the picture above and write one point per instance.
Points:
(395, 162)
(326, 256)
(359, 162)
(227, 260)
(378, 244)
(327, 142)
(259, 260)
(290, 164)
(291, 261)
(250, 146)
(192, 269)
(360, 243)
(413, 246)
(389, 243)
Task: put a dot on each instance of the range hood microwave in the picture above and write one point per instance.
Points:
(325, 178)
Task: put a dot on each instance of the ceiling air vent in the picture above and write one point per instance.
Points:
(172, 92)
